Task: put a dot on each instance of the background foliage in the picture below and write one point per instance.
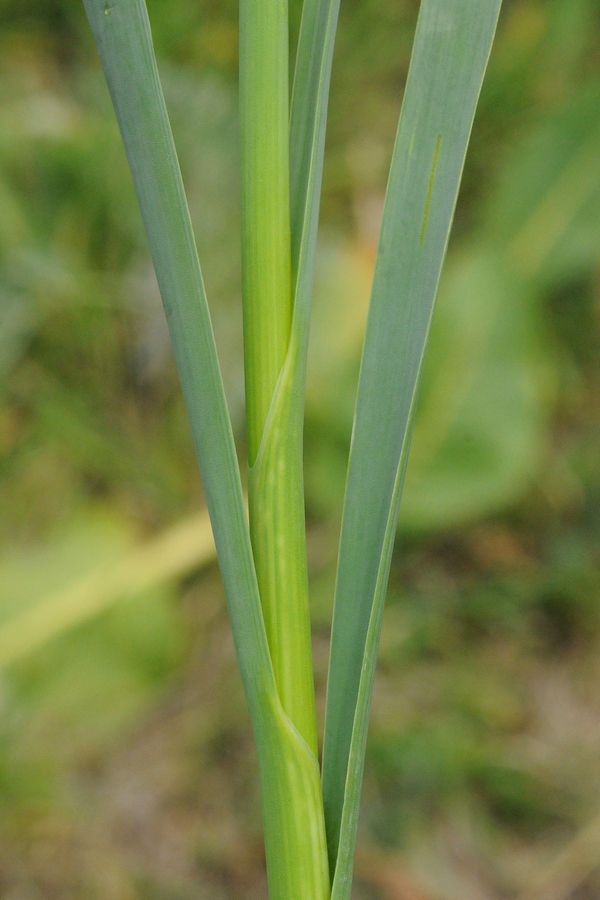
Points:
(126, 762)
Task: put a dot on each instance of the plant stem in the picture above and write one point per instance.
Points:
(273, 416)
(266, 251)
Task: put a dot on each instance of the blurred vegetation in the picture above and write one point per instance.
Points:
(126, 762)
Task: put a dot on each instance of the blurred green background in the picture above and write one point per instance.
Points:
(126, 762)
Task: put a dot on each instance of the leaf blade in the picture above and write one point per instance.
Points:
(290, 787)
(452, 45)
(122, 33)
(308, 120)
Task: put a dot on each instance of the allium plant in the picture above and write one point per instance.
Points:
(310, 811)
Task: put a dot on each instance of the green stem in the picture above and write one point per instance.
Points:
(274, 430)
(296, 857)
(266, 252)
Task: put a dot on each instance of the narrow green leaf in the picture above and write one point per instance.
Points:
(122, 34)
(291, 795)
(310, 97)
(452, 46)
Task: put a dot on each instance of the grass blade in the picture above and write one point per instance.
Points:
(451, 50)
(122, 34)
(290, 786)
(308, 121)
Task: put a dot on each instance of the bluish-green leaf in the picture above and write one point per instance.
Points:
(307, 147)
(451, 50)
(122, 34)
(292, 804)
